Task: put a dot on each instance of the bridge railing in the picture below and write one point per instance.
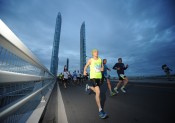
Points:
(25, 84)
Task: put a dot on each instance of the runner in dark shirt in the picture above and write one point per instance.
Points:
(167, 70)
(120, 67)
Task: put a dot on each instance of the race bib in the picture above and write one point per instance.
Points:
(97, 68)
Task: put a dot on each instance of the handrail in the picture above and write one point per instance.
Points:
(7, 111)
(11, 42)
(11, 77)
(18, 65)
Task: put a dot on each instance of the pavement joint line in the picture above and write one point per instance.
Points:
(62, 117)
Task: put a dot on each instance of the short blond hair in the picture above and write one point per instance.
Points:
(94, 50)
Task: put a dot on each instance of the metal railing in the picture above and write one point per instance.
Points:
(24, 82)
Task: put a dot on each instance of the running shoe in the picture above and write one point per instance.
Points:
(112, 94)
(123, 90)
(116, 91)
(102, 114)
(87, 89)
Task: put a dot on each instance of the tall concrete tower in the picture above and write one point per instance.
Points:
(67, 64)
(82, 47)
(55, 49)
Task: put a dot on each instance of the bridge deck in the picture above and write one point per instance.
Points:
(144, 103)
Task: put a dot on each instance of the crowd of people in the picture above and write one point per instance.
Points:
(66, 78)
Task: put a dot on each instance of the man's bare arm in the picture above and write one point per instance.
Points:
(109, 69)
(86, 66)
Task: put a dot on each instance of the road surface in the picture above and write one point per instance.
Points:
(143, 103)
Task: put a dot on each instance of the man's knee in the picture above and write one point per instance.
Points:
(126, 80)
(97, 90)
(120, 81)
(108, 82)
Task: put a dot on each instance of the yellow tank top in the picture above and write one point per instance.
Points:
(95, 66)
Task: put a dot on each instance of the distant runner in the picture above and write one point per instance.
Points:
(66, 74)
(61, 78)
(78, 77)
(74, 78)
(120, 67)
(96, 67)
(69, 78)
(106, 76)
(167, 70)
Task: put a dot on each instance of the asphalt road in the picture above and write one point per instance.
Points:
(143, 103)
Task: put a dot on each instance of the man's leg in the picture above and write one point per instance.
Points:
(109, 87)
(64, 83)
(124, 85)
(125, 82)
(118, 85)
(92, 88)
(97, 97)
(168, 75)
(75, 81)
(78, 82)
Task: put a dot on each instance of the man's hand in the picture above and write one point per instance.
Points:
(109, 69)
(85, 73)
(127, 65)
(118, 68)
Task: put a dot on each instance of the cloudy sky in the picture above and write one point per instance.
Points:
(142, 32)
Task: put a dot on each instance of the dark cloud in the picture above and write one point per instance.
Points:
(141, 32)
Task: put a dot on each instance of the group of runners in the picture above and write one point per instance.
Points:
(76, 78)
(99, 73)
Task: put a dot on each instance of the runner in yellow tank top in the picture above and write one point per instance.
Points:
(96, 67)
